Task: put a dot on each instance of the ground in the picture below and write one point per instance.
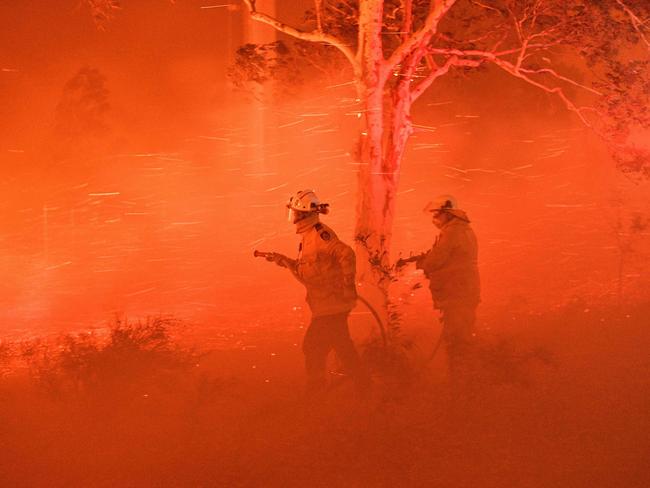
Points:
(239, 417)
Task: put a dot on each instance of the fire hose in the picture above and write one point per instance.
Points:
(373, 311)
(412, 259)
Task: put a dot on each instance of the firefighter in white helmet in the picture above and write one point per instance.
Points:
(452, 270)
(326, 266)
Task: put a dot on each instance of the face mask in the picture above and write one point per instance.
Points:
(295, 216)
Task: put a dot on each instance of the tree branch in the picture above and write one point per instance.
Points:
(523, 54)
(439, 71)
(518, 72)
(637, 23)
(437, 10)
(314, 36)
(319, 21)
(518, 25)
(555, 74)
(482, 54)
(407, 6)
(486, 7)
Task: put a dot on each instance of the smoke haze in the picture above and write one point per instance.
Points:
(137, 182)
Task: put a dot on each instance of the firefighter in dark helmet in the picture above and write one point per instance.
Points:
(326, 266)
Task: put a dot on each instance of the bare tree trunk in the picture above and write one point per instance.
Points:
(383, 135)
(371, 226)
(378, 186)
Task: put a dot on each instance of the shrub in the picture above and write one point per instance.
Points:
(133, 357)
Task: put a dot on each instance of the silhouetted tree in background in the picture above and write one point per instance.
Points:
(83, 106)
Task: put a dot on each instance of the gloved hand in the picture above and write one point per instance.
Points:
(401, 262)
(279, 259)
(349, 289)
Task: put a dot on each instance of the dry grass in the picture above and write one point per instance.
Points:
(131, 408)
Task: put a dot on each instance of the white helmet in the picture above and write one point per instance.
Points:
(442, 202)
(305, 201)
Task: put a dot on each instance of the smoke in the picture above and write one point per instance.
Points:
(137, 183)
(154, 180)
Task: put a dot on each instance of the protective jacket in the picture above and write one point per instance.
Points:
(326, 266)
(451, 265)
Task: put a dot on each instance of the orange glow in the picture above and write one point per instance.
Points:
(137, 182)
